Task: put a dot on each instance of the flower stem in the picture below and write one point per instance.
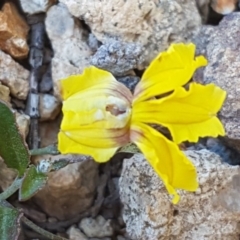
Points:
(51, 149)
(40, 230)
(11, 189)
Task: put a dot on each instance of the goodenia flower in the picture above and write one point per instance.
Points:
(101, 115)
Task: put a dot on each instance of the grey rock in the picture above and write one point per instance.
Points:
(71, 52)
(36, 6)
(75, 234)
(149, 213)
(220, 45)
(98, 227)
(14, 76)
(93, 43)
(46, 83)
(150, 23)
(49, 107)
(118, 57)
(129, 81)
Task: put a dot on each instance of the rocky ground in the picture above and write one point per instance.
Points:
(43, 41)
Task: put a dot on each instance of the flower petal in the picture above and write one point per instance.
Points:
(96, 114)
(187, 114)
(93, 78)
(169, 70)
(168, 161)
(67, 145)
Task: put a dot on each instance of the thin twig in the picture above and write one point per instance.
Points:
(35, 61)
(51, 149)
(41, 231)
(11, 189)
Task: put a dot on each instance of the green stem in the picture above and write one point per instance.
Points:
(12, 189)
(41, 231)
(51, 149)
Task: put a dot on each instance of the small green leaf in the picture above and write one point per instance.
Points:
(12, 148)
(9, 223)
(32, 183)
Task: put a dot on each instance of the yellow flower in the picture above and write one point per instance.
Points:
(101, 115)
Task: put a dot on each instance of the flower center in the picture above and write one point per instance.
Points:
(114, 110)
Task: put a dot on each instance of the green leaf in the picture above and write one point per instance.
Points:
(9, 223)
(32, 183)
(12, 148)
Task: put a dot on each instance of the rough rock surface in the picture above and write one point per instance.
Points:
(14, 76)
(69, 191)
(7, 175)
(49, 131)
(36, 6)
(220, 45)
(118, 57)
(13, 32)
(149, 213)
(71, 52)
(49, 107)
(4, 93)
(75, 234)
(98, 227)
(153, 24)
(23, 122)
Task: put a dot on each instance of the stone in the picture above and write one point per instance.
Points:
(220, 44)
(4, 93)
(152, 24)
(71, 52)
(98, 227)
(149, 213)
(13, 32)
(129, 81)
(203, 8)
(36, 6)
(14, 76)
(49, 107)
(7, 175)
(75, 234)
(229, 196)
(48, 131)
(118, 57)
(70, 190)
(224, 6)
(220, 6)
(23, 122)
(46, 83)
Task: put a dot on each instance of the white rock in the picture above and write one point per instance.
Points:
(75, 234)
(149, 213)
(36, 6)
(98, 227)
(71, 52)
(153, 24)
(49, 107)
(14, 76)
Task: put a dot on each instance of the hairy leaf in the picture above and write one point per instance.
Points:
(32, 183)
(9, 223)
(12, 148)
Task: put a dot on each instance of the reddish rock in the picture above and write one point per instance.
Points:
(13, 32)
